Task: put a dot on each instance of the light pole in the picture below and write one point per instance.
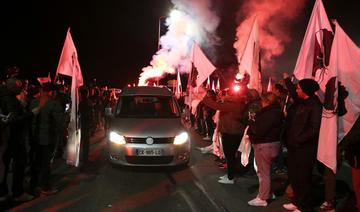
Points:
(159, 34)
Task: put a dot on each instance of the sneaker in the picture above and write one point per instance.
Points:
(223, 177)
(48, 192)
(327, 206)
(207, 138)
(222, 166)
(206, 150)
(226, 181)
(198, 148)
(290, 207)
(257, 202)
(24, 197)
(272, 196)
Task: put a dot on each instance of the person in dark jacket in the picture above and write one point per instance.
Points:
(208, 114)
(351, 147)
(15, 145)
(231, 126)
(49, 124)
(264, 134)
(301, 138)
(64, 101)
(85, 111)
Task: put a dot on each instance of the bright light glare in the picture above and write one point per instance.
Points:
(175, 14)
(116, 138)
(181, 138)
(236, 88)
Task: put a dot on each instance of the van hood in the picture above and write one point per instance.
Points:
(156, 128)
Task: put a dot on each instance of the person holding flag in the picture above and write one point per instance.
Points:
(301, 137)
(69, 65)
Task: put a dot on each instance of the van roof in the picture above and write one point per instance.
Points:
(146, 90)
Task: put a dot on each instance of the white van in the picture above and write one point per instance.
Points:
(146, 129)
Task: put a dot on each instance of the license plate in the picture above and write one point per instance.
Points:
(149, 152)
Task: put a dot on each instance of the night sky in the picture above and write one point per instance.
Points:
(116, 38)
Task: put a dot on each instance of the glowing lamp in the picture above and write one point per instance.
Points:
(236, 88)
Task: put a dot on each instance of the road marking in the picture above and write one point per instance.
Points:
(187, 200)
(218, 206)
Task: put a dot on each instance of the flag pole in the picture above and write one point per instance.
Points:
(287, 98)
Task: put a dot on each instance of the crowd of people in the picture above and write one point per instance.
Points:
(283, 128)
(33, 129)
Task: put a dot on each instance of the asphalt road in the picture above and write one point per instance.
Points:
(101, 186)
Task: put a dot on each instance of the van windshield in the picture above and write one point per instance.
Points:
(147, 107)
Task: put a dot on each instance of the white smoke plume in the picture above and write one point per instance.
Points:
(275, 18)
(190, 21)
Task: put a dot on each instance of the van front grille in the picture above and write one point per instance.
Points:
(134, 140)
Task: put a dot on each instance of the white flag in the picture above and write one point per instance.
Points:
(43, 80)
(204, 67)
(270, 86)
(341, 102)
(178, 89)
(218, 84)
(250, 59)
(69, 65)
(313, 48)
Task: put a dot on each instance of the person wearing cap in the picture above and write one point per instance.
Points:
(301, 137)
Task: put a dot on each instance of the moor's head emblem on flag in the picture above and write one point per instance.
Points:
(73, 59)
(322, 50)
(342, 95)
(330, 102)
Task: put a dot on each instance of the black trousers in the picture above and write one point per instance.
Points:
(85, 144)
(230, 145)
(301, 161)
(210, 126)
(40, 169)
(14, 151)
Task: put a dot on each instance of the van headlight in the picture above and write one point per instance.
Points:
(181, 138)
(116, 138)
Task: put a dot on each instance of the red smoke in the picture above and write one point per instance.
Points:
(274, 18)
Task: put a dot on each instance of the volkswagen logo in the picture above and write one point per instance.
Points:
(149, 140)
